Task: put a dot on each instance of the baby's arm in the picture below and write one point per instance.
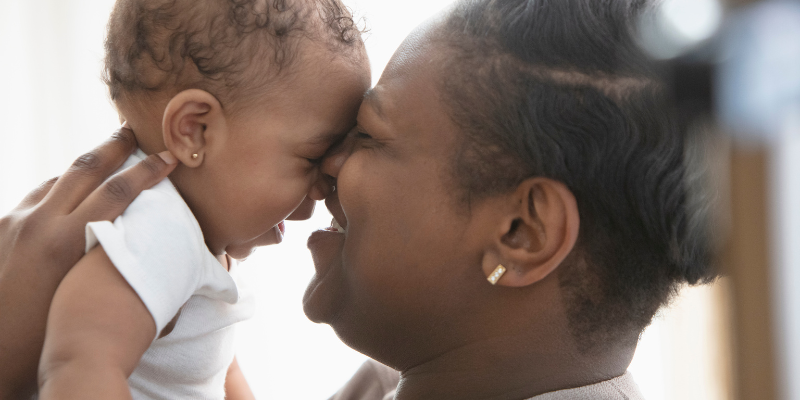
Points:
(236, 387)
(97, 331)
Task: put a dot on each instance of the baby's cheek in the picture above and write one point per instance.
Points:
(304, 211)
(292, 195)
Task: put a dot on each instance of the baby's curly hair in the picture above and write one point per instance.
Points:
(158, 45)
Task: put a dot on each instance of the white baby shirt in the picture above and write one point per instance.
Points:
(157, 245)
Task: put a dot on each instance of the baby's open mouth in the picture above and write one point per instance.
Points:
(282, 227)
(280, 231)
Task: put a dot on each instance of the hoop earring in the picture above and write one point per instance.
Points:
(496, 274)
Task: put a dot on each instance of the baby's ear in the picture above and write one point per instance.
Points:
(191, 118)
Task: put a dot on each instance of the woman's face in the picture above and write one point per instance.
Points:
(406, 252)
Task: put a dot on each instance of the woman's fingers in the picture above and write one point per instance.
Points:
(109, 200)
(36, 195)
(90, 170)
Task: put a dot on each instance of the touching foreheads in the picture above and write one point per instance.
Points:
(230, 48)
(560, 89)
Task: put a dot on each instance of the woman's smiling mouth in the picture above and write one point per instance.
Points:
(335, 227)
(339, 221)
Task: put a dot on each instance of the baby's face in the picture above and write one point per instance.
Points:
(268, 165)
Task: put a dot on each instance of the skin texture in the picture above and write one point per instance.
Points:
(238, 210)
(43, 238)
(406, 282)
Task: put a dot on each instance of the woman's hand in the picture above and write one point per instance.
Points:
(44, 237)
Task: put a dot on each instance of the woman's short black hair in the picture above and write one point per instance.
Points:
(560, 89)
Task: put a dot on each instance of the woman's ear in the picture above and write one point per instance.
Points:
(190, 119)
(536, 234)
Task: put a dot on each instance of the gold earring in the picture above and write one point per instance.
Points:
(194, 156)
(496, 274)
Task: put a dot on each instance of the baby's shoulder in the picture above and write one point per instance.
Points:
(160, 221)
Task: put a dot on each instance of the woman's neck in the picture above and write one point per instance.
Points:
(511, 367)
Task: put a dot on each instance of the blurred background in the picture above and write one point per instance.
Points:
(737, 66)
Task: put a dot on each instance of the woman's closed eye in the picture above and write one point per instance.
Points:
(362, 135)
(363, 140)
(315, 161)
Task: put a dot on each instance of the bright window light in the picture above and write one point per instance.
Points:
(692, 20)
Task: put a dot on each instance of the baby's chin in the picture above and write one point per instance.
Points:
(240, 251)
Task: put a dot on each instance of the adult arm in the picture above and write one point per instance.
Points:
(43, 238)
(97, 330)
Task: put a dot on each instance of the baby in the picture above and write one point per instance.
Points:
(248, 96)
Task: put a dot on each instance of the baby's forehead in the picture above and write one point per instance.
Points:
(318, 72)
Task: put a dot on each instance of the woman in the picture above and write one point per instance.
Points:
(513, 204)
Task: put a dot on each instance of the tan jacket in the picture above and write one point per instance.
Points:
(374, 381)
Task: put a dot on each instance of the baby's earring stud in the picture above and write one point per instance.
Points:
(496, 274)
(194, 156)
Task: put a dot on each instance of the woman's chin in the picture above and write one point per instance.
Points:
(322, 296)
